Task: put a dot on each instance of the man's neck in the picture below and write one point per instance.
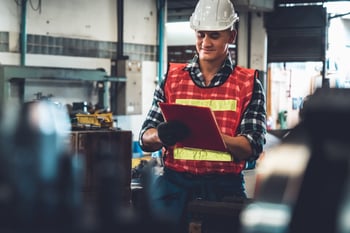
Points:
(210, 68)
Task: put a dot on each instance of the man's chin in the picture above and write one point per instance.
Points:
(206, 57)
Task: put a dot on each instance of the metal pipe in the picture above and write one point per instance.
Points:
(120, 30)
(161, 24)
(23, 33)
(325, 80)
(120, 20)
(249, 39)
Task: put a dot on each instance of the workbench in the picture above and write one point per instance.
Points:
(106, 155)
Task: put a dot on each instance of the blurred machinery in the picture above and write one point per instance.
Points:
(92, 97)
(303, 183)
(56, 180)
(57, 172)
(95, 120)
(19, 84)
(40, 183)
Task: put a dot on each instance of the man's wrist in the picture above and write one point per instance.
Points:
(149, 140)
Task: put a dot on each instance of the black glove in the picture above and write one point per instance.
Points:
(172, 132)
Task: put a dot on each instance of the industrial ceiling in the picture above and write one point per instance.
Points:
(181, 10)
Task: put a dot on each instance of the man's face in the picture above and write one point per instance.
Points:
(212, 45)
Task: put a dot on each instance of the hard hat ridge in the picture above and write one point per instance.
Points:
(213, 15)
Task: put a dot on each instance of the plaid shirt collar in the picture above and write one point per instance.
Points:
(219, 78)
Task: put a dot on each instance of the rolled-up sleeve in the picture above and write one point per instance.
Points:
(154, 116)
(253, 124)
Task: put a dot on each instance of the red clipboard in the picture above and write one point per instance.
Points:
(205, 133)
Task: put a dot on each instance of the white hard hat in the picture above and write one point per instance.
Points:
(213, 15)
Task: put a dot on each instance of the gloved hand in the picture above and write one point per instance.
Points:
(172, 132)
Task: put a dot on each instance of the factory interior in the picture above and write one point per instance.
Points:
(76, 82)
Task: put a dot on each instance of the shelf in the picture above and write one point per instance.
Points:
(54, 73)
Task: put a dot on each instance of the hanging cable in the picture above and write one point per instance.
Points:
(37, 8)
(34, 8)
(18, 2)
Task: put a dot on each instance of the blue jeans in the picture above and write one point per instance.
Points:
(171, 192)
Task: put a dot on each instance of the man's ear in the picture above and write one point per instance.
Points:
(233, 35)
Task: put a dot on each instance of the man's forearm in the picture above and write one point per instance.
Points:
(239, 147)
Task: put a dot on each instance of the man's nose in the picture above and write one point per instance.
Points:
(206, 40)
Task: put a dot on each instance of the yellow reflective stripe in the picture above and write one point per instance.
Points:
(198, 154)
(214, 105)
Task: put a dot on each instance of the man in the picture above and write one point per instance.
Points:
(238, 101)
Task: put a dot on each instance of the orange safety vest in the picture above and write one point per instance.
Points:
(228, 101)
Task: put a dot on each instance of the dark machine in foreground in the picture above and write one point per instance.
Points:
(304, 182)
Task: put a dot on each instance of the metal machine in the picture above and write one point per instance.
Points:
(303, 184)
(96, 120)
(19, 84)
